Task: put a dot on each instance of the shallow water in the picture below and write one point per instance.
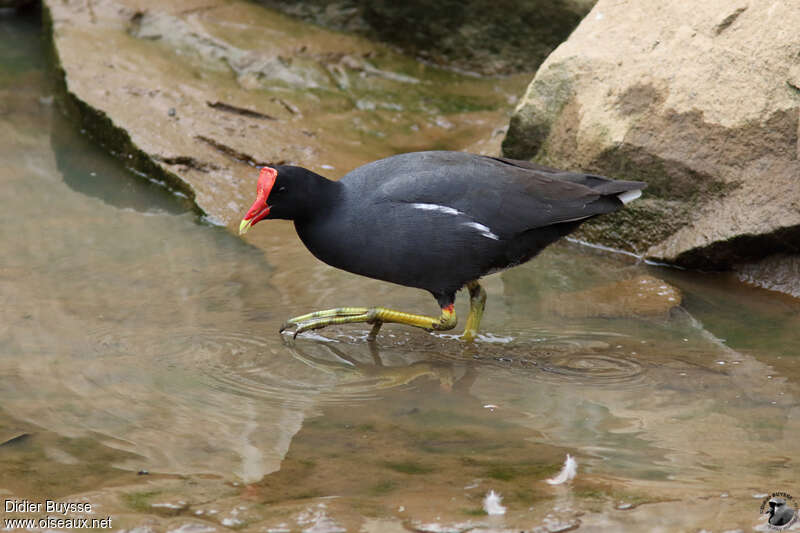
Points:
(142, 371)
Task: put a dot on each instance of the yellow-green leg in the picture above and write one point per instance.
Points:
(371, 315)
(477, 301)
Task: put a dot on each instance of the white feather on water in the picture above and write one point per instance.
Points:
(492, 504)
(567, 472)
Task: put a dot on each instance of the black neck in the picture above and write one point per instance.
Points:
(322, 194)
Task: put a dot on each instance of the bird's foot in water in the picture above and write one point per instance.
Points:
(329, 317)
(477, 302)
(376, 316)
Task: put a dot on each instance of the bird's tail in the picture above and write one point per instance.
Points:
(625, 191)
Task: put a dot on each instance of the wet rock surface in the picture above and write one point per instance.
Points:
(196, 94)
(478, 35)
(691, 99)
(639, 297)
(777, 273)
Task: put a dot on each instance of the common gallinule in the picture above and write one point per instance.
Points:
(437, 221)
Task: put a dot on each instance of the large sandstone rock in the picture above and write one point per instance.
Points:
(701, 100)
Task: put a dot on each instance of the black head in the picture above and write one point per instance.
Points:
(286, 192)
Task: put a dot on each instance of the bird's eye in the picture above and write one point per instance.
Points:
(281, 189)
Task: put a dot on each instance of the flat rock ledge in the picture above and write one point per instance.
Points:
(196, 94)
(702, 101)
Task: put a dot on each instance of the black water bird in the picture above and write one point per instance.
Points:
(437, 221)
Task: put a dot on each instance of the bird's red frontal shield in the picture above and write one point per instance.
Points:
(260, 208)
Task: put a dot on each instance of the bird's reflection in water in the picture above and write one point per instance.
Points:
(422, 440)
(375, 374)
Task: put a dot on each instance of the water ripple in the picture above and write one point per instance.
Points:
(590, 369)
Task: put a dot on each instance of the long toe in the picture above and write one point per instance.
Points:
(338, 312)
(319, 323)
(372, 315)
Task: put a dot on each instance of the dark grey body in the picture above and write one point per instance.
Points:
(438, 220)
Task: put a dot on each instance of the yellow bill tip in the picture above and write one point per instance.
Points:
(244, 226)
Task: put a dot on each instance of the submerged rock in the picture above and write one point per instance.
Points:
(693, 99)
(639, 297)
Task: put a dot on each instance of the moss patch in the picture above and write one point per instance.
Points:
(409, 467)
(382, 487)
(637, 227)
(141, 500)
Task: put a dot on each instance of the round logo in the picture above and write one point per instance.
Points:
(782, 510)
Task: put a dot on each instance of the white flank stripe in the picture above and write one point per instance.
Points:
(485, 231)
(436, 207)
(629, 196)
